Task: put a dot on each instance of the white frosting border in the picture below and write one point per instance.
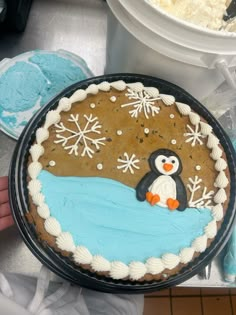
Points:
(64, 240)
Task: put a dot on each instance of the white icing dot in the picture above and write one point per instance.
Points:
(198, 168)
(92, 105)
(119, 132)
(52, 163)
(173, 141)
(172, 116)
(113, 99)
(99, 166)
(146, 131)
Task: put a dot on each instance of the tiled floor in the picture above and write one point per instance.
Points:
(191, 301)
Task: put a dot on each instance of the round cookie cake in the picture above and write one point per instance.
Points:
(126, 182)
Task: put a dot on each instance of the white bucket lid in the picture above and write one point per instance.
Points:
(179, 40)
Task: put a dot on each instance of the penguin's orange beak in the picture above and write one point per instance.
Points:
(167, 167)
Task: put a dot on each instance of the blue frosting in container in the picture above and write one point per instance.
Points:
(27, 85)
(19, 92)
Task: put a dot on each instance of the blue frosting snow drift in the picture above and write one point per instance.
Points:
(105, 216)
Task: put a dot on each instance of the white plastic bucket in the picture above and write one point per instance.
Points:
(147, 40)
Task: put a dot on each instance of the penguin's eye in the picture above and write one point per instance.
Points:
(163, 161)
(173, 161)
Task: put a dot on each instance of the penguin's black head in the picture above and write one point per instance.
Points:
(166, 162)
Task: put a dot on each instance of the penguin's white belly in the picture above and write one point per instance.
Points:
(165, 187)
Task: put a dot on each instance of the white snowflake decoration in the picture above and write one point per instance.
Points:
(194, 136)
(128, 163)
(80, 136)
(142, 102)
(205, 200)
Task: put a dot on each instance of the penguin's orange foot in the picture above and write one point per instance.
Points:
(172, 203)
(155, 199)
(149, 196)
(152, 199)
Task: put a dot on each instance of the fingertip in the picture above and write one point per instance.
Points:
(5, 209)
(3, 183)
(4, 197)
(6, 222)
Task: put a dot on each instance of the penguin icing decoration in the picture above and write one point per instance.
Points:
(162, 185)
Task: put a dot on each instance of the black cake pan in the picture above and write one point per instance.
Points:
(65, 268)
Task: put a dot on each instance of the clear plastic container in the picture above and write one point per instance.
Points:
(144, 39)
(14, 127)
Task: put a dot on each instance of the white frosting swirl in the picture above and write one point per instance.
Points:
(52, 117)
(218, 212)
(34, 186)
(212, 141)
(42, 134)
(137, 86)
(119, 270)
(92, 89)
(104, 86)
(167, 99)
(78, 96)
(211, 229)
(152, 91)
(194, 118)
(100, 264)
(82, 255)
(220, 165)
(216, 153)
(65, 242)
(186, 255)
(205, 128)
(170, 261)
(38, 199)
(52, 226)
(34, 169)
(184, 109)
(221, 180)
(200, 243)
(220, 196)
(154, 265)
(118, 85)
(36, 151)
(64, 105)
(137, 270)
(43, 211)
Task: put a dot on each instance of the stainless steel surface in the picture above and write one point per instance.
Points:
(2, 9)
(78, 26)
(205, 273)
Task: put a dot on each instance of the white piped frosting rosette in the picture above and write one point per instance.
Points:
(81, 255)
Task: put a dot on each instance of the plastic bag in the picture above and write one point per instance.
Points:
(222, 104)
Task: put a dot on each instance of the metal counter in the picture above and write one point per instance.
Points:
(80, 27)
